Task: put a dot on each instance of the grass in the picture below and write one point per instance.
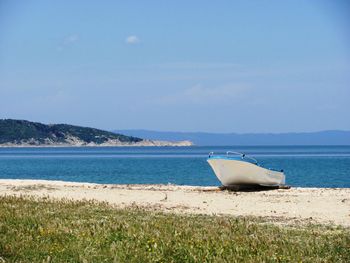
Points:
(65, 231)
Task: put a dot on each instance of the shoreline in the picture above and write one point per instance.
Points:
(329, 206)
(144, 143)
(90, 146)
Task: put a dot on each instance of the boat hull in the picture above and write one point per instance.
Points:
(237, 172)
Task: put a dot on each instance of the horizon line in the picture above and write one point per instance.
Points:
(233, 133)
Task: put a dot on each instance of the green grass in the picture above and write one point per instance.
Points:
(64, 231)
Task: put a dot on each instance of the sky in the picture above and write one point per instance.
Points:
(213, 66)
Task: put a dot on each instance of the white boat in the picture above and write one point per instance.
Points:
(236, 168)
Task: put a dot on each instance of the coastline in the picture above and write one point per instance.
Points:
(329, 206)
(144, 143)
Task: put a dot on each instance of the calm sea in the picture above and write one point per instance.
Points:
(307, 166)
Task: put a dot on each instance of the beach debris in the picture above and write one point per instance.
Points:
(165, 198)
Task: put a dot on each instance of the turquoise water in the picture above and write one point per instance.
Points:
(308, 166)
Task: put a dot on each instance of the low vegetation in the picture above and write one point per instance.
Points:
(65, 231)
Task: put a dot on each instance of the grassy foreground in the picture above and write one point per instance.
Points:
(65, 231)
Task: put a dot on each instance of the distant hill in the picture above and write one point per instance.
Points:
(22, 132)
(221, 139)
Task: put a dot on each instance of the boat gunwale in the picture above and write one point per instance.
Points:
(240, 158)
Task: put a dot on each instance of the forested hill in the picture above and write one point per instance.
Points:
(22, 132)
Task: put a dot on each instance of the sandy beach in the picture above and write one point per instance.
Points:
(282, 206)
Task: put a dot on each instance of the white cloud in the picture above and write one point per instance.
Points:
(198, 94)
(67, 41)
(199, 65)
(132, 40)
(70, 39)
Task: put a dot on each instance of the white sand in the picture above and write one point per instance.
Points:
(296, 205)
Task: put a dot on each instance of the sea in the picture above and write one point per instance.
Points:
(304, 166)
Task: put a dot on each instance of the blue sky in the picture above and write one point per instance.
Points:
(216, 66)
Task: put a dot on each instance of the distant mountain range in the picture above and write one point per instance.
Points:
(22, 133)
(220, 139)
(25, 133)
